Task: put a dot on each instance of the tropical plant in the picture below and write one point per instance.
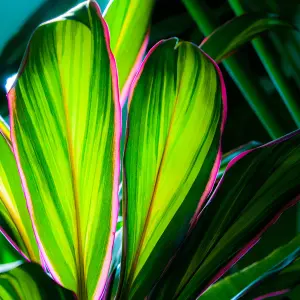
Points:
(185, 221)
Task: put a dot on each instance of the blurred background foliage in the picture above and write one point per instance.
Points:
(176, 18)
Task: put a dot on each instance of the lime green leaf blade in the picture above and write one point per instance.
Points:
(29, 282)
(4, 129)
(15, 222)
(236, 285)
(172, 155)
(65, 127)
(258, 185)
(128, 22)
(236, 32)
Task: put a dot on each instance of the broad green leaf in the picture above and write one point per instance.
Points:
(128, 22)
(29, 282)
(256, 188)
(227, 157)
(15, 222)
(236, 285)
(65, 128)
(285, 280)
(171, 157)
(236, 32)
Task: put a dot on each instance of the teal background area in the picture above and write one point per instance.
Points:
(12, 16)
(14, 13)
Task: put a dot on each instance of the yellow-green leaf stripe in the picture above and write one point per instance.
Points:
(15, 222)
(172, 154)
(65, 125)
(128, 23)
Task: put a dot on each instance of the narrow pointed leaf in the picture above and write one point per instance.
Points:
(285, 280)
(114, 272)
(128, 22)
(65, 125)
(7, 252)
(256, 188)
(238, 31)
(29, 282)
(227, 157)
(15, 222)
(236, 285)
(176, 116)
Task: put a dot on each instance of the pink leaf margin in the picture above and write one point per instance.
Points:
(257, 237)
(100, 287)
(273, 294)
(14, 245)
(118, 131)
(134, 70)
(217, 163)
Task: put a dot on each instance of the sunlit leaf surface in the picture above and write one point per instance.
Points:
(258, 185)
(65, 124)
(176, 116)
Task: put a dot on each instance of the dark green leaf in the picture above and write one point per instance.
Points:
(236, 32)
(257, 187)
(236, 285)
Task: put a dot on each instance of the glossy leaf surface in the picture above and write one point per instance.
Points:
(29, 282)
(256, 188)
(176, 116)
(15, 222)
(236, 32)
(65, 125)
(128, 23)
(236, 285)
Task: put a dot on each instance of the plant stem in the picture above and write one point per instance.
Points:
(269, 61)
(252, 92)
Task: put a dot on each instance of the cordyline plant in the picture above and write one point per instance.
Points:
(60, 161)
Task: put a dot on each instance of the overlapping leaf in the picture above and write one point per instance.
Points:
(171, 158)
(256, 188)
(237, 285)
(15, 222)
(29, 282)
(65, 125)
(227, 157)
(236, 32)
(286, 281)
(8, 255)
(128, 22)
(4, 129)
(6, 267)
